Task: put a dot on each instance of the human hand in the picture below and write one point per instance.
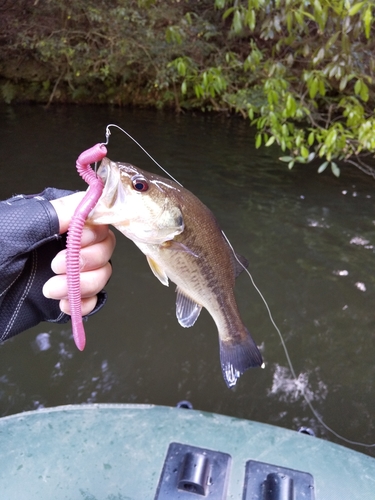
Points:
(97, 245)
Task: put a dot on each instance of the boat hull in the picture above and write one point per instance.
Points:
(118, 451)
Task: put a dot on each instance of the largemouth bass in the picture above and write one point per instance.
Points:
(183, 243)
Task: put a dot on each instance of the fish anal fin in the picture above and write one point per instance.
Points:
(240, 264)
(236, 356)
(158, 271)
(187, 310)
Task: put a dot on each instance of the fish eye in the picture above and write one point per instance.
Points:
(139, 183)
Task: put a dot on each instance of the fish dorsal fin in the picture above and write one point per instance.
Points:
(240, 263)
(187, 311)
(158, 271)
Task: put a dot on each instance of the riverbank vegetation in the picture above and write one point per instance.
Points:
(301, 71)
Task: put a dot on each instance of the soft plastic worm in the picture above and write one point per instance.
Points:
(92, 155)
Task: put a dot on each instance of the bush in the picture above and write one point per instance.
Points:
(302, 71)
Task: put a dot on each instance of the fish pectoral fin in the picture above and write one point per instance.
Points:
(187, 310)
(177, 247)
(158, 271)
(237, 354)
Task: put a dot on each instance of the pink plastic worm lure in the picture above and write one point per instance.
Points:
(92, 155)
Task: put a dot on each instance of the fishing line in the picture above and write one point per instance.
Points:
(291, 368)
(289, 361)
(108, 133)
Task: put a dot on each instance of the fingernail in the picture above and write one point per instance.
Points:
(89, 236)
(46, 290)
(57, 264)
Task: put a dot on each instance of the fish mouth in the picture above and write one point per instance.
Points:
(107, 211)
(103, 170)
(111, 180)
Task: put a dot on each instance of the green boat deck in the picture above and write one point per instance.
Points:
(117, 452)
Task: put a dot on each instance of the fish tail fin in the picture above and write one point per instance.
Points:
(237, 354)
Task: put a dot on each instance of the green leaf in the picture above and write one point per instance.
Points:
(299, 17)
(313, 88)
(270, 141)
(289, 21)
(220, 4)
(333, 40)
(199, 92)
(335, 169)
(237, 22)
(331, 137)
(343, 82)
(291, 105)
(287, 159)
(356, 8)
(319, 56)
(307, 14)
(258, 141)
(181, 67)
(317, 7)
(173, 35)
(323, 166)
(367, 19)
(322, 88)
(364, 94)
(311, 156)
(250, 19)
(228, 12)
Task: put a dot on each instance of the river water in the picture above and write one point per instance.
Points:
(309, 239)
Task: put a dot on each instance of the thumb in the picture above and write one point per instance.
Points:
(65, 208)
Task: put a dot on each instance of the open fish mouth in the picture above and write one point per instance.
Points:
(111, 181)
(106, 210)
(103, 170)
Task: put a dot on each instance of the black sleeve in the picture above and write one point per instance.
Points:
(29, 240)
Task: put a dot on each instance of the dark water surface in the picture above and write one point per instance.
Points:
(310, 242)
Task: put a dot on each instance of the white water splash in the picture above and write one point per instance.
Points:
(290, 389)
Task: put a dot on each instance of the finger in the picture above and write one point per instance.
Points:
(93, 234)
(91, 283)
(91, 257)
(87, 305)
(65, 208)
